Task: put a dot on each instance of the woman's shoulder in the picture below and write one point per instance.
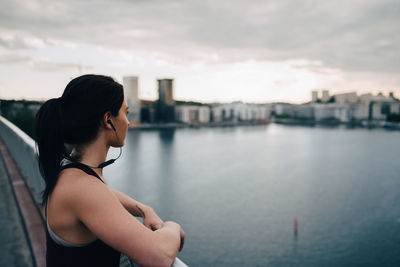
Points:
(72, 182)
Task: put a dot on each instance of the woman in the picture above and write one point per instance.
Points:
(89, 224)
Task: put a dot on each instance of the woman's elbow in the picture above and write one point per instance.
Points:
(167, 258)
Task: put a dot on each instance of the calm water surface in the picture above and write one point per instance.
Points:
(237, 191)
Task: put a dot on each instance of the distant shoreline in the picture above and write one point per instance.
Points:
(157, 126)
(311, 123)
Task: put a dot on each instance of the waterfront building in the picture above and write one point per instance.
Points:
(166, 103)
(251, 112)
(147, 111)
(216, 113)
(131, 93)
(223, 112)
(263, 112)
(382, 106)
(361, 111)
(314, 96)
(256, 112)
(186, 114)
(304, 112)
(325, 96)
(377, 107)
(240, 112)
(204, 114)
(192, 114)
(349, 106)
(346, 98)
(285, 110)
(333, 112)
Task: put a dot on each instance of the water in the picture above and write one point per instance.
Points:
(237, 191)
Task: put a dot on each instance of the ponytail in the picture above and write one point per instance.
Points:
(50, 142)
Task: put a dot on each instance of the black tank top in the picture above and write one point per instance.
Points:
(96, 253)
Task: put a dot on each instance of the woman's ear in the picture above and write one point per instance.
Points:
(106, 118)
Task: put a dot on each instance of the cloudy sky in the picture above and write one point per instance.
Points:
(254, 51)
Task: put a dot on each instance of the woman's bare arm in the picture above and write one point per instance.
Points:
(101, 212)
(133, 206)
(149, 216)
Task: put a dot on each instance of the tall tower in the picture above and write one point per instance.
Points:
(166, 102)
(314, 96)
(325, 95)
(131, 93)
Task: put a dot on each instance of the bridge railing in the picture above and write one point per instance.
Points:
(22, 149)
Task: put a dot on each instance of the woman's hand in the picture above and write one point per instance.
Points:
(177, 228)
(151, 219)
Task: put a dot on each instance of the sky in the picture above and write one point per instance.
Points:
(216, 51)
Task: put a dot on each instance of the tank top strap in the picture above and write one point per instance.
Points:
(82, 167)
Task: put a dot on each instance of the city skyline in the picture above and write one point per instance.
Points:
(264, 51)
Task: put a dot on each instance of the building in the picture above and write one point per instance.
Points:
(216, 113)
(346, 98)
(166, 91)
(380, 106)
(285, 110)
(166, 103)
(240, 112)
(131, 92)
(147, 111)
(333, 112)
(222, 113)
(314, 96)
(204, 114)
(325, 96)
(192, 114)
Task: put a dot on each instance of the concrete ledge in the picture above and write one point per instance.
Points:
(31, 215)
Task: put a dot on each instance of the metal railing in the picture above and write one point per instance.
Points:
(22, 149)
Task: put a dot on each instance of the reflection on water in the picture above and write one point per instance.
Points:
(237, 191)
(166, 136)
(166, 184)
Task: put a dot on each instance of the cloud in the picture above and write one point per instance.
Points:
(39, 64)
(14, 42)
(47, 65)
(13, 58)
(359, 35)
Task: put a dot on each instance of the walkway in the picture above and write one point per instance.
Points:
(14, 246)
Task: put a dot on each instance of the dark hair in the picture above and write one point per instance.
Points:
(73, 119)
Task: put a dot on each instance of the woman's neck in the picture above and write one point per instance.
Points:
(92, 154)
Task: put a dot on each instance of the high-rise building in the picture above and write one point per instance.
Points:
(314, 96)
(165, 106)
(131, 93)
(166, 91)
(325, 96)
